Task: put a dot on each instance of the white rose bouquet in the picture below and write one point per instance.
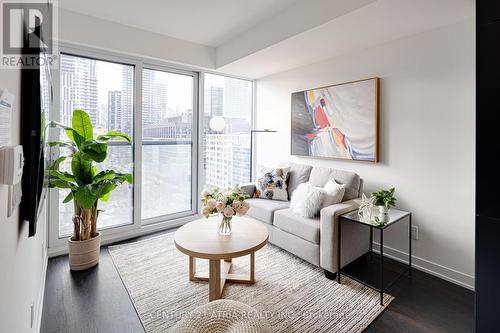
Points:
(228, 203)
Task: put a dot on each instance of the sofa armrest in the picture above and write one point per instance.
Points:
(353, 246)
(339, 209)
(249, 188)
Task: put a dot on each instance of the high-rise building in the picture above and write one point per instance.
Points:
(236, 101)
(227, 159)
(115, 115)
(78, 87)
(154, 98)
(127, 99)
(160, 102)
(214, 97)
(175, 127)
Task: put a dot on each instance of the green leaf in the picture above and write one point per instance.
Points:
(125, 177)
(85, 196)
(81, 124)
(114, 135)
(68, 198)
(76, 138)
(62, 175)
(43, 129)
(81, 167)
(105, 187)
(59, 183)
(60, 144)
(106, 174)
(129, 178)
(57, 163)
(105, 197)
(97, 151)
(94, 171)
(107, 181)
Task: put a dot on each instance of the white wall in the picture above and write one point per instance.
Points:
(427, 120)
(23, 260)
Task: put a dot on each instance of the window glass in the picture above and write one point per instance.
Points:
(105, 90)
(167, 124)
(228, 117)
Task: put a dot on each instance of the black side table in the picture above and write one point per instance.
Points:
(393, 216)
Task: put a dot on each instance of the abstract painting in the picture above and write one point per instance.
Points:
(339, 121)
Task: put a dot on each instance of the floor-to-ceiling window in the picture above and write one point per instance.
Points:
(105, 90)
(167, 142)
(228, 120)
(158, 107)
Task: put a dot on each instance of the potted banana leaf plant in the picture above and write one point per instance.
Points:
(86, 184)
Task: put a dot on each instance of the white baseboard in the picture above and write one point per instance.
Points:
(445, 273)
(41, 293)
(145, 230)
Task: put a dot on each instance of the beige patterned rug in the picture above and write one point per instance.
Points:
(292, 294)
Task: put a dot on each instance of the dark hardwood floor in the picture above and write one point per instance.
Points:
(97, 301)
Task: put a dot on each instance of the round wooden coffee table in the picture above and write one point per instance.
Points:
(199, 239)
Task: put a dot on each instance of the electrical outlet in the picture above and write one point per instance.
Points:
(32, 315)
(414, 232)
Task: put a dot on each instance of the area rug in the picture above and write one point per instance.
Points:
(292, 294)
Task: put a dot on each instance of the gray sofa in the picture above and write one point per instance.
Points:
(314, 239)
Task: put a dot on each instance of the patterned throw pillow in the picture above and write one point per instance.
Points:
(272, 184)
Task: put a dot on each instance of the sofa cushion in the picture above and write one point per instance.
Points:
(320, 176)
(299, 173)
(303, 227)
(263, 209)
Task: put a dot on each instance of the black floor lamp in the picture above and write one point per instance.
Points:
(266, 130)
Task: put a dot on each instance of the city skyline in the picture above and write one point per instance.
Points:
(91, 85)
(106, 91)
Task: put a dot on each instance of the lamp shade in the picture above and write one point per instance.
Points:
(217, 124)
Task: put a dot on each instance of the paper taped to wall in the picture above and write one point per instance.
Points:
(15, 196)
(6, 100)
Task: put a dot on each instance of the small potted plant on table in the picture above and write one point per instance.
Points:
(384, 199)
(87, 185)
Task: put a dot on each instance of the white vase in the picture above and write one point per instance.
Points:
(383, 210)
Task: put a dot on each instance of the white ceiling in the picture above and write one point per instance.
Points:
(374, 24)
(255, 38)
(206, 22)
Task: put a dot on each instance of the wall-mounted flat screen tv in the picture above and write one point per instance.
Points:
(36, 104)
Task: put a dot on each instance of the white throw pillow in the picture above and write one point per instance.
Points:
(306, 200)
(334, 193)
